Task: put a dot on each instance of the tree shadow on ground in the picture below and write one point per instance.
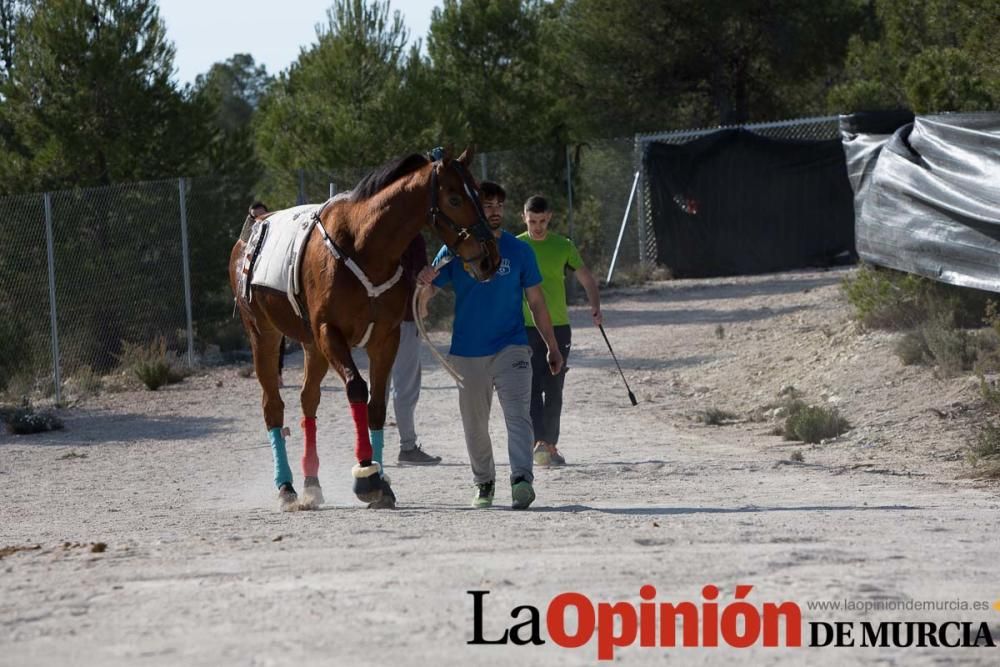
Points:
(616, 318)
(701, 291)
(84, 428)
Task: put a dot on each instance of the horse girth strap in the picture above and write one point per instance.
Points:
(374, 291)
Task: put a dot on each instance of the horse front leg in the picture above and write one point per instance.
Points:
(316, 367)
(381, 355)
(366, 472)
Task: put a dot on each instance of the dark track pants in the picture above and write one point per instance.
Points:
(547, 389)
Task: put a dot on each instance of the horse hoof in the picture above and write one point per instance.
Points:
(312, 494)
(368, 490)
(288, 500)
(388, 499)
(367, 483)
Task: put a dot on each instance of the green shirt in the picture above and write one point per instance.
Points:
(555, 254)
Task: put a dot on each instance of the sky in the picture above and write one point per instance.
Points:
(273, 32)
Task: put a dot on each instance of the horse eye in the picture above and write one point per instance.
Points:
(455, 201)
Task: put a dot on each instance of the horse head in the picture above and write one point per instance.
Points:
(457, 215)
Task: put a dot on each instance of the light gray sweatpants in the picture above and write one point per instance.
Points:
(509, 373)
(406, 384)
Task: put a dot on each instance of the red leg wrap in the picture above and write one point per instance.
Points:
(310, 459)
(362, 443)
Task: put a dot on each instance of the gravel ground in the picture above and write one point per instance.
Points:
(199, 567)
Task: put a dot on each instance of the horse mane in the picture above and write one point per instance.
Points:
(386, 174)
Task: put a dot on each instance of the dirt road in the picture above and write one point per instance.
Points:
(200, 567)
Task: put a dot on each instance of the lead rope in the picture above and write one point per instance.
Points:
(423, 329)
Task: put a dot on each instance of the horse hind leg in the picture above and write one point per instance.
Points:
(265, 344)
(316, 367)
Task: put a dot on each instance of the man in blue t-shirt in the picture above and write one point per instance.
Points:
(489, 348)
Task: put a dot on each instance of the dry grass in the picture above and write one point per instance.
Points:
(715, 416)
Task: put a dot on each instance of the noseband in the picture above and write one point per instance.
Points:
(480, 231)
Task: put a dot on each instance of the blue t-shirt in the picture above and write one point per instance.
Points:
(488, 316)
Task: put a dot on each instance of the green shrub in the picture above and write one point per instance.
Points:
(912, 349)
(885, 299)
(153, 374)
(815, 423)
(986, 444)
(151, 363)
(24, 420)
(953, 350)
(990, 393)
(894, 300)
(987, 346)
(788, 404)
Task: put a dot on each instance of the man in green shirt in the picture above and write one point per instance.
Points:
(555, 254)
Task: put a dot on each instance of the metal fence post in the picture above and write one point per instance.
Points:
(187, 272)
(571, 293)
(482, 167)
(641, 203)
(301, 199)
(50, 250)
(569, 192)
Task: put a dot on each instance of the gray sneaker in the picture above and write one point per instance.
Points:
(417, 457)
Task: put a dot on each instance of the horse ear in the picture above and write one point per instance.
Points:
(466, 157)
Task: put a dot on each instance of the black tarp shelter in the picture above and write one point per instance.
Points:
(733, 202)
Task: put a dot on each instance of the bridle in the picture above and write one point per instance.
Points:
(437, 218)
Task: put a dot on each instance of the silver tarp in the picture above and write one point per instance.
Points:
(927, 197)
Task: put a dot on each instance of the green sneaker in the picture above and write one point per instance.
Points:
(484, 495)
(521, 493)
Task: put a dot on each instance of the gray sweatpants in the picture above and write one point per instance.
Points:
(509, 372)
(406, 384)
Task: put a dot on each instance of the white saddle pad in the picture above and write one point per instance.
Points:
(280, 255)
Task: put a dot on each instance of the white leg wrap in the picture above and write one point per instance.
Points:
(359, 472)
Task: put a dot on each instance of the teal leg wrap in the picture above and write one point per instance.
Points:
(282, 473)
(378, 441)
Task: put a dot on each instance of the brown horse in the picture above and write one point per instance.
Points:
(354, 249)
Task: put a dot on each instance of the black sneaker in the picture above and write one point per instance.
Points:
(484, 495)
(417, 457)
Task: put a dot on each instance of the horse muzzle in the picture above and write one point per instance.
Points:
(484, 264)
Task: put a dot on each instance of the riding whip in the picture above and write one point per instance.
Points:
(631, 396)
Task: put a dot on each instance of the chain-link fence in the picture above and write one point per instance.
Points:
(25, 330)
(87, 273)
(588, 188)
(84, 273)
